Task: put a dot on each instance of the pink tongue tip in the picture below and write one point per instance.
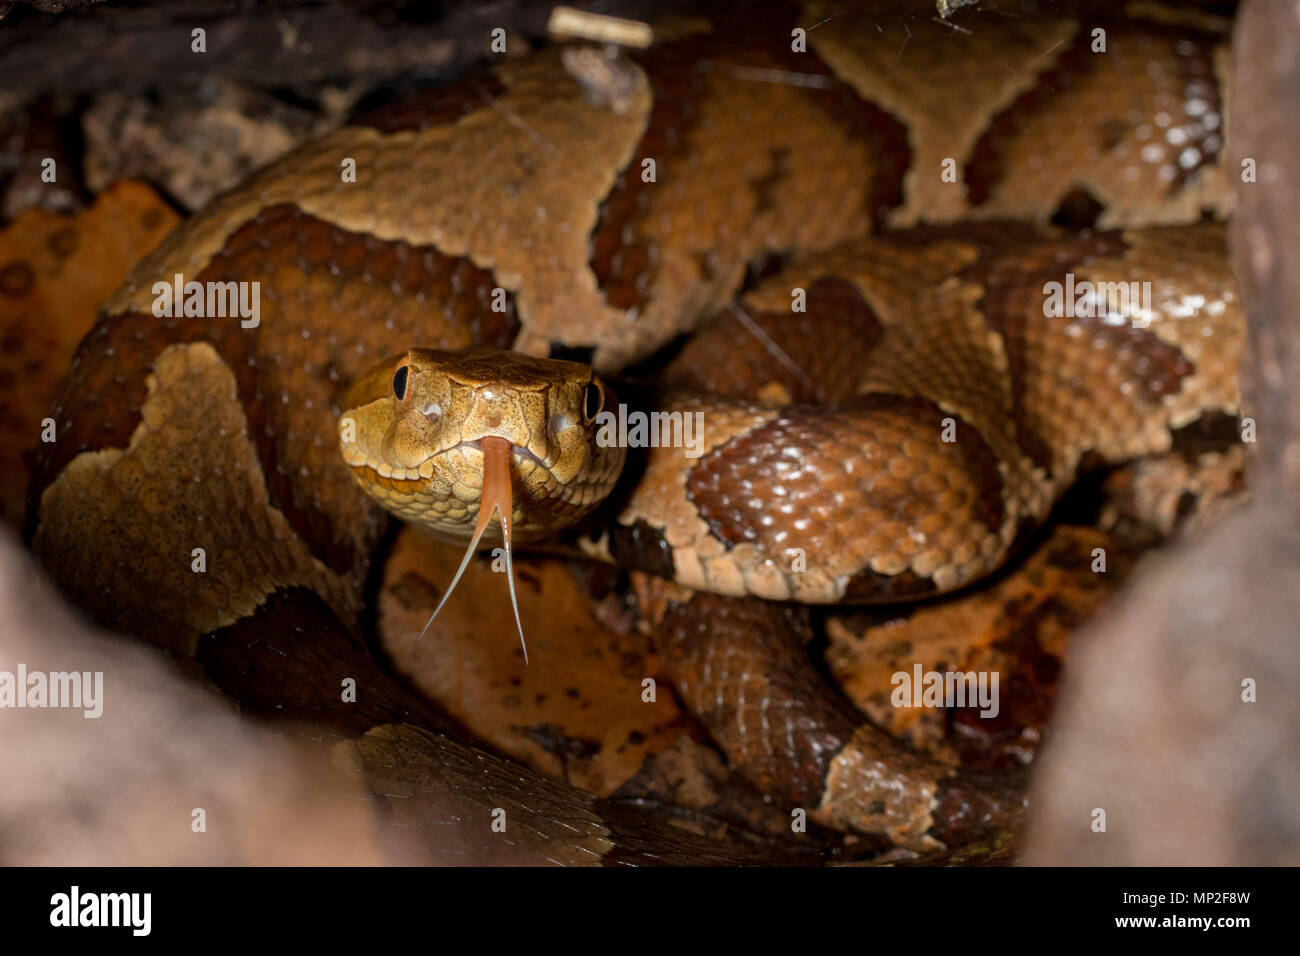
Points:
(497, 498)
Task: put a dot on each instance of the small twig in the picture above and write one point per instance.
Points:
(777, 352)
(518, 122)
(782, 77)
(952, 26)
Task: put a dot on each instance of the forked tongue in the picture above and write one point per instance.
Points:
(496, 498)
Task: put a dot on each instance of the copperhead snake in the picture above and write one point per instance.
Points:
(904, 432)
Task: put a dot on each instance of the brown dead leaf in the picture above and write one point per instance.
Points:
(1019, 627)
(575, 711)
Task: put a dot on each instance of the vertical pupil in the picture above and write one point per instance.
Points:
(591, 403)
(399, 382)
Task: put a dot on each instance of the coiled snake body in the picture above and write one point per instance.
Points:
(898, 409)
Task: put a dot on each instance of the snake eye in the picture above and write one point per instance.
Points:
(399, 381)
(593, 400)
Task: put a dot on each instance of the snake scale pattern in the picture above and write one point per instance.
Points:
(918, 184)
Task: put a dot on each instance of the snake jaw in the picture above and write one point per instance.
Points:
(497, 498)
(477, 444)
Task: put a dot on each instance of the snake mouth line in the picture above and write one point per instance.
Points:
(477, 445)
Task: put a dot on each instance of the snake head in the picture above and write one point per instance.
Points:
(452, 440)
(413, 429)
